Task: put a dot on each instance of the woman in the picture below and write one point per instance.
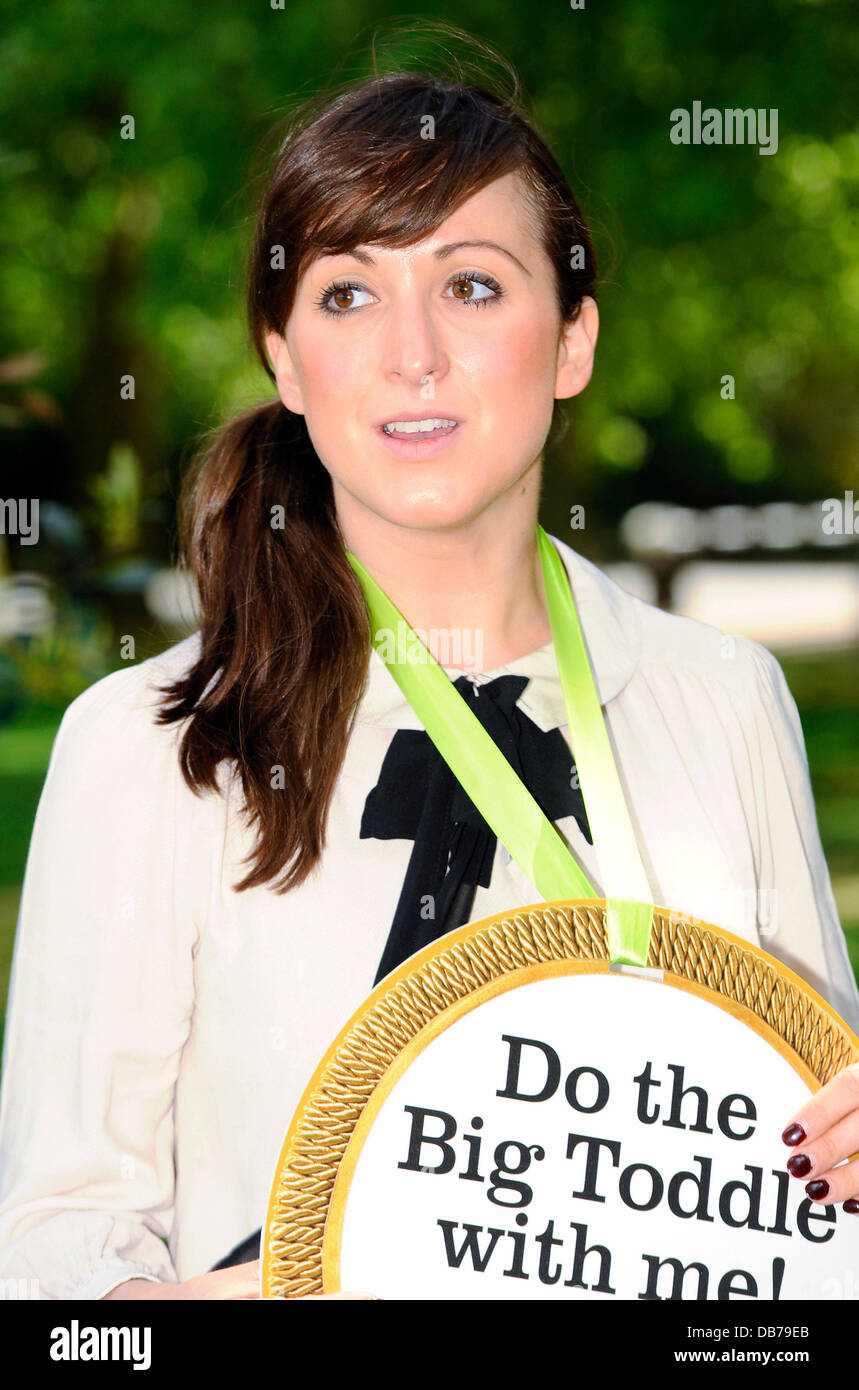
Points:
(234, 838)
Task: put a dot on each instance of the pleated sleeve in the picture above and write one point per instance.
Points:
(797, 914)
(100, 1004)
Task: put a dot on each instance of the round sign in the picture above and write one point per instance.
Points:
(510, 1117)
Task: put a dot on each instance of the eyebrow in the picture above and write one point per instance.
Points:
(444, 252)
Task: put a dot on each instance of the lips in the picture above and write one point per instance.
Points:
(415, 436)
(434, 424)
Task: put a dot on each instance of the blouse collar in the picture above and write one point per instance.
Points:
(610, 624)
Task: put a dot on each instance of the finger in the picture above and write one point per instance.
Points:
(236, 1281)
(816, 1157)
(248, 1285)
(837, 1099)
(835, 1185)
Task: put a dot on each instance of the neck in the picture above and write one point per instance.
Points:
(475, 592)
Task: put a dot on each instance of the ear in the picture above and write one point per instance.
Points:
(287, 382)
(576, 351)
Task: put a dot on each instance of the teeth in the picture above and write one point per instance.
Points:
(416, 426)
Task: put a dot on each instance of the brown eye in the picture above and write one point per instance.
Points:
(474, 289)
(340, 301)
(462, 289)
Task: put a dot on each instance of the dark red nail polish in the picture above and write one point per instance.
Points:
(818, 1189)
(851, 1205)
(794, 1134)
(799, 1165)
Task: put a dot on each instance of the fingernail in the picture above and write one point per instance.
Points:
(851, 1205)
(799, 1165)
(818, 1189)
(794, 1134)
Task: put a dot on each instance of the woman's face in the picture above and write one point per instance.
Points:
(460, 332)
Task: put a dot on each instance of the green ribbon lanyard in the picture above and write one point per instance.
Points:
(495, 789)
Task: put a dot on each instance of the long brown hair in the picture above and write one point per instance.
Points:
(285, 633)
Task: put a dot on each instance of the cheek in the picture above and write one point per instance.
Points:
(518, 363)
(328, 368)
(325, 371)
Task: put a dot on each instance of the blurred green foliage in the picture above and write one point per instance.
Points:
(54, 666)
(127, 255)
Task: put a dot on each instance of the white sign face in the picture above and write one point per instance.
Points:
(589, 1136)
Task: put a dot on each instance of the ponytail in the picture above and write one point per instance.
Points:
(285, 636)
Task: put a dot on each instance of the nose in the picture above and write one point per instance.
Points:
(413, 349)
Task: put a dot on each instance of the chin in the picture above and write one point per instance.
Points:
(431, 503)
(441, 514)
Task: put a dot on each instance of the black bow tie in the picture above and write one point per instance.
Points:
(417, 797)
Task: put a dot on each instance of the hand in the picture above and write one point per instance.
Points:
(824, 1132)
(235, 1282)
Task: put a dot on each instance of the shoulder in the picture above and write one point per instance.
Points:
(120, 710)
(645, 642)
(672, 643)
(691, 666)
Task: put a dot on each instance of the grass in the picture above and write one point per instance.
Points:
(25, 747)
(824, 688)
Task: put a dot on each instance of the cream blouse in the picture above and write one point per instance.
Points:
(161, 1027)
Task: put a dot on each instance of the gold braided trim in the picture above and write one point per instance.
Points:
(474, 956)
